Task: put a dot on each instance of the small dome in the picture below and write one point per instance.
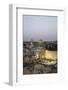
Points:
(40, 41)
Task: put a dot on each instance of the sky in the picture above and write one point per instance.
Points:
(39, 27)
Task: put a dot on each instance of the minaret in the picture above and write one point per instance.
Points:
(31, 42)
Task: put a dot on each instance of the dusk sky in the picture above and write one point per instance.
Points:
(40, 27)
